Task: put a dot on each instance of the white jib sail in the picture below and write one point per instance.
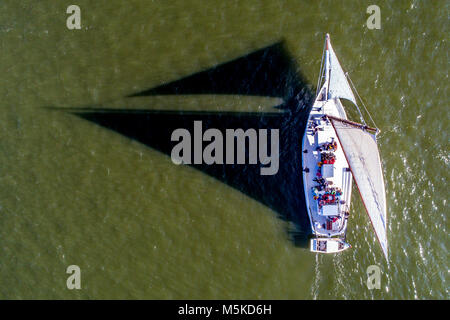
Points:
(361, 150)
(338, 86)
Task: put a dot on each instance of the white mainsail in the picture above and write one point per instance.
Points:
(338, 86)
(361, 150)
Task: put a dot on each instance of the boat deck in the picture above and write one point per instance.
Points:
(327, 212)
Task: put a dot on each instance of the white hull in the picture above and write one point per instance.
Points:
(341, 178)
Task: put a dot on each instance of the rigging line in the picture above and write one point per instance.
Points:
(362, 102)
(357, 108)
(321, 70)
(319, 80)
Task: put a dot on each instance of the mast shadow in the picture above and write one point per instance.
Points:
(267, 72)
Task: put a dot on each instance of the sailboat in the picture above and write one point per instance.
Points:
(337, 151)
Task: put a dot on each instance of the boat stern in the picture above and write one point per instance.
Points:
(329, 245)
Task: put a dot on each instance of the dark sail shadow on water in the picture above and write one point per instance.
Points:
(267, 72)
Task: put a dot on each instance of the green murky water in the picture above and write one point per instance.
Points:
(72, 192)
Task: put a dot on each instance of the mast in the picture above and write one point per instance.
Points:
(327, 64)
